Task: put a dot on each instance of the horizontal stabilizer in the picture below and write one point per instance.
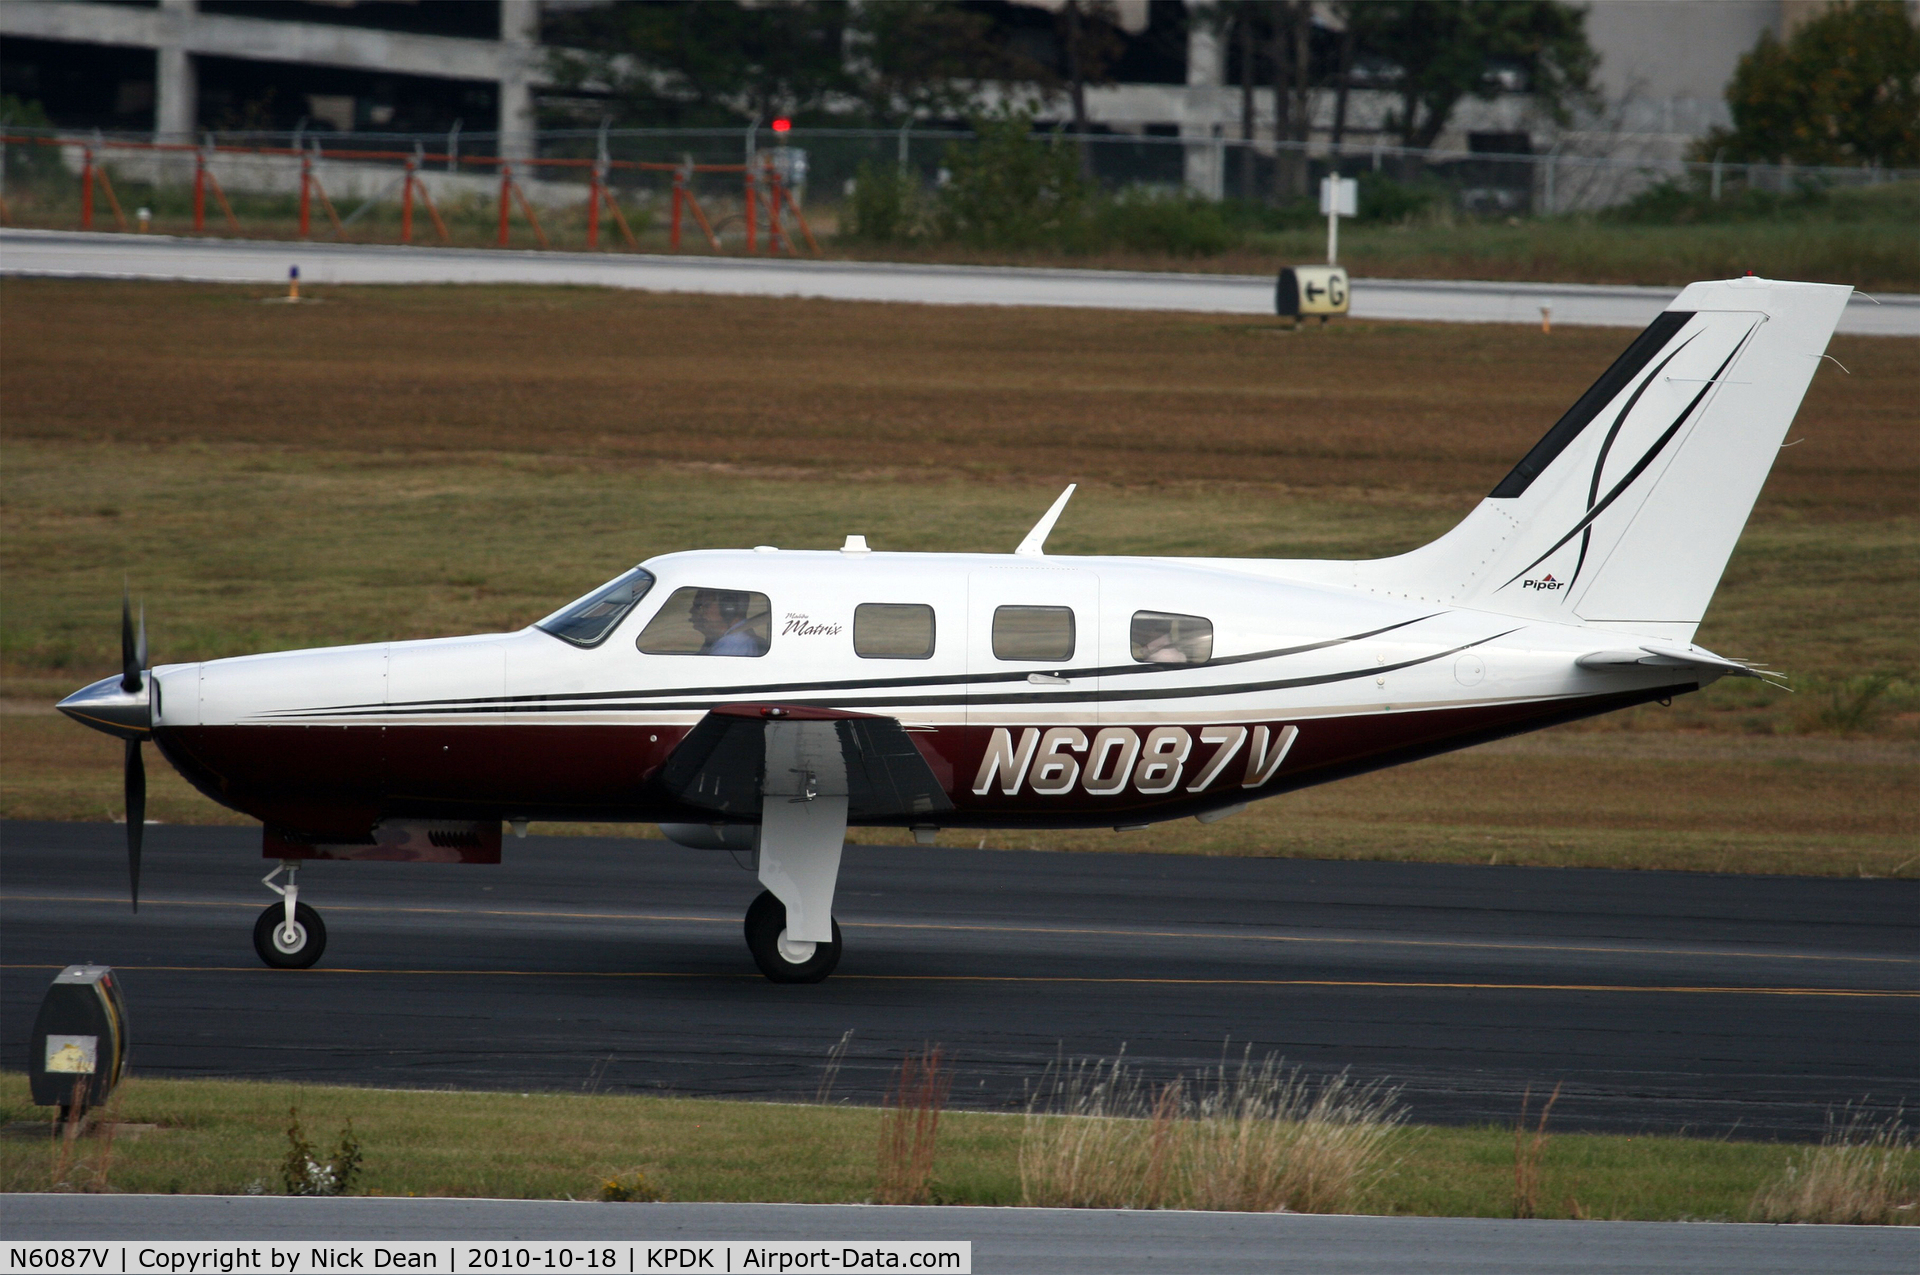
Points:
(1666, 656)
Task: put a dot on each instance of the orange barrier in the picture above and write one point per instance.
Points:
(762, 189)
(413, 182)
(310, 186)
(509, 188)
(92, 174)
(599, 194)
(202, 175)
(682, 194)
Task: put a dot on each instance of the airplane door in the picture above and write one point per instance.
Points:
(1033, 646)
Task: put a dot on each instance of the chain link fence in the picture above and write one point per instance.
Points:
(740, 181)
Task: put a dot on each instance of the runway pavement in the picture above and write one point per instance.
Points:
(122, 256)
(1008, 1240)
(1659, 1001)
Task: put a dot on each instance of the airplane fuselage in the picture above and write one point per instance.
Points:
(1068, 721)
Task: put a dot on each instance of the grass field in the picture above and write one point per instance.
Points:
(419, 462)
(225, 1137)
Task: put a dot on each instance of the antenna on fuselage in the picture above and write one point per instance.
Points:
(1034, 545)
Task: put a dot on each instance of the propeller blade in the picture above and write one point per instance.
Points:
(130, 650)
(136, 814)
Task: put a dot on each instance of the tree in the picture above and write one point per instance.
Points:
(1844, 89)
(688, 63)
(920, 60)
(715, 62)
(1010, 189)
(1292, 93)
(1446, 50)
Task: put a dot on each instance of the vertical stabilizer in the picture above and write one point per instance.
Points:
(1625, 513)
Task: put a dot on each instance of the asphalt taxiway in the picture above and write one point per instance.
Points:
(1008, 1240)
(1657, 1001)
(96, 255)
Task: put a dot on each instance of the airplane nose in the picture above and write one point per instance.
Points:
(105, 706)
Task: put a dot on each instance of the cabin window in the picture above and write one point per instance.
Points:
(1160, 637)
(1033, 633)
(588, 621)
(893, 631)
(710, 622)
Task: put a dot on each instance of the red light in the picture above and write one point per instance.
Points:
(781, 126)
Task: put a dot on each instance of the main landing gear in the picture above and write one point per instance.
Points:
(782, 958)
(803, 825)
(289, 935)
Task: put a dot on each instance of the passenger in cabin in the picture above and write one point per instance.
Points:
(1153, 642)
(1159, 637)
(720, 616)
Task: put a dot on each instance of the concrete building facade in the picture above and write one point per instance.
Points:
(1664, 66)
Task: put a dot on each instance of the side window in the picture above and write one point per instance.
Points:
(1033, 633)
(893, 631)
(1160, 637)
(710, 622)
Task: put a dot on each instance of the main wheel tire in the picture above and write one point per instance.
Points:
(309, 938)
(767, 927)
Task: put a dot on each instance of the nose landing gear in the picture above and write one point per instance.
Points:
(289, 935)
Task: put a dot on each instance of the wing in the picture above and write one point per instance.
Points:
(721, 766)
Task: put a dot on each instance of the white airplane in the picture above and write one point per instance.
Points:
(767, 699)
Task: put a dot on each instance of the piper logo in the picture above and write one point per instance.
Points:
(1547, 583)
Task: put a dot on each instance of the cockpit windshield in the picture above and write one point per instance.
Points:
(588, 621)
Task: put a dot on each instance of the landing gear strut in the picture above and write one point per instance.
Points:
(289, 934)
(782, 958)
(803, 825)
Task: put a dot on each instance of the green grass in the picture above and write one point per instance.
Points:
(226, 1137)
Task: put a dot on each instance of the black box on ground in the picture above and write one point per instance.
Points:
(79, 1038)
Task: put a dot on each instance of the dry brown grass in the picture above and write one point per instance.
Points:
(1437, 410)
(1863, 1172)
(910, 1128)
(1252, 1138)
(1529, 1153)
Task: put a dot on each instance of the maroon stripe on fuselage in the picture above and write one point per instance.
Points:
(344, 777)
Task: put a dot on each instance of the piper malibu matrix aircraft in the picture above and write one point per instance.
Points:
(767, 699)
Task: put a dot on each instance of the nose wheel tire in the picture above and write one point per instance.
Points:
(781, 959)
(285, 949)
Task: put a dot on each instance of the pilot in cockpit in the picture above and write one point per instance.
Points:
(721, 617)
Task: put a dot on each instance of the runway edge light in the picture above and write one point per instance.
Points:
(78, 1049)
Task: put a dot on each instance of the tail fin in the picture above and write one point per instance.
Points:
(1625, 513)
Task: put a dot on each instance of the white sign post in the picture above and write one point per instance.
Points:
(1339, 197)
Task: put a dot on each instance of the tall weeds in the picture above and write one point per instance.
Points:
(1529, 1152)
(1863, 1171)
(909, 1125)
(1256, 1137)
(304, 1173)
